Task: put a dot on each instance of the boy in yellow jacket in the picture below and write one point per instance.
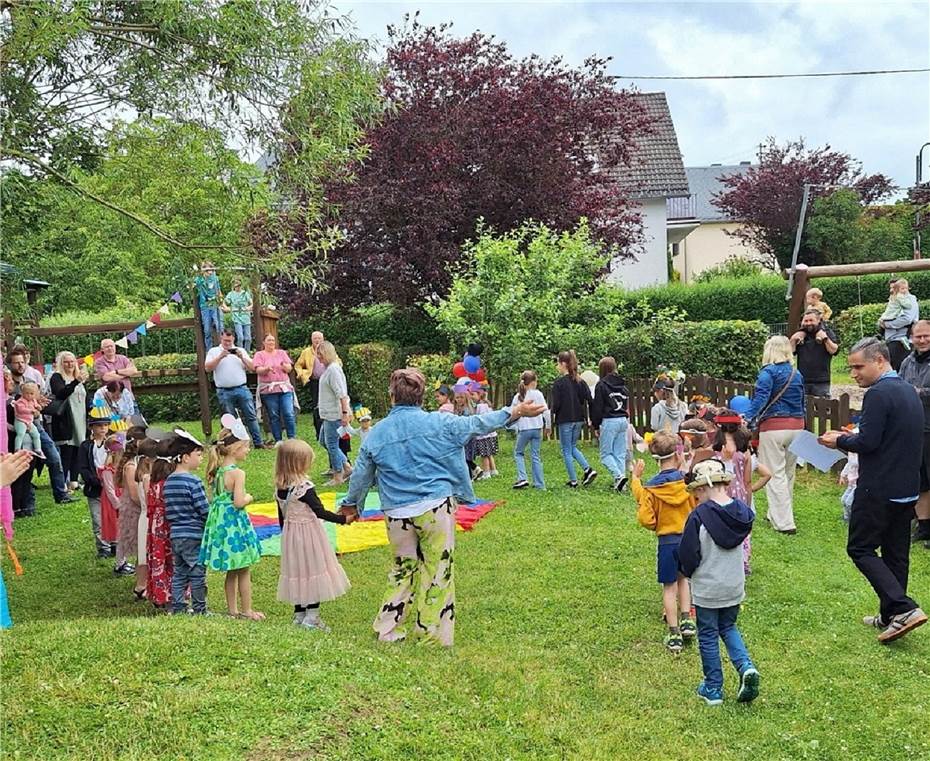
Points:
(664, 506)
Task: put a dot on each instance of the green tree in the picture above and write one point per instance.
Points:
(181, 177)
(281, 76)
(526, 288)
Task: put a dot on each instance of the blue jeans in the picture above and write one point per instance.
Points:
(613, 444)
(188, 570)
(337, 459)
(239, 398)
(281, 409)
(243, 335)
(720, 622)
(569, 433)
(534, 439)
(53, 462)
(212, 319)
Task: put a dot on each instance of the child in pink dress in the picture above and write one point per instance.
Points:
(310, 572)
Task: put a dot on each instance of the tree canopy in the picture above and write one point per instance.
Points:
(281, 76)
(471, 132)
(767, 198)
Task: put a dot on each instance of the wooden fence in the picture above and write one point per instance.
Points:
(822, 413)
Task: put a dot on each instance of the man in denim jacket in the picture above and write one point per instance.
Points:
(419, 461)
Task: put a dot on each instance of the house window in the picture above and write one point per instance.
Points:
(676, 249)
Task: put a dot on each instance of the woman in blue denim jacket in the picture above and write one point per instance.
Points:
(419, 462)
(778, 410)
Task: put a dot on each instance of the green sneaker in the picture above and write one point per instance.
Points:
(688, 627)
(674, 643)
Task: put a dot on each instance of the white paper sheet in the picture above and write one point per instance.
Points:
(805, 447)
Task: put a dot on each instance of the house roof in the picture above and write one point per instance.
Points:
(704, 182)
(656, 169)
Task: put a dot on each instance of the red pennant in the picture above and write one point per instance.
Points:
(156, 318)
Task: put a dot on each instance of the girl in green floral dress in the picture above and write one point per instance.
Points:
(229, 541)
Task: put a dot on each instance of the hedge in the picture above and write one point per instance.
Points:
(849, 327)
(368, 370)
(436, 368)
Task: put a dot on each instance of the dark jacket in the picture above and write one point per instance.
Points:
(611, 399)
(915, 369)
(771, 380)
(569, 399)
(890, 440)
(63, 424)
(88, 470)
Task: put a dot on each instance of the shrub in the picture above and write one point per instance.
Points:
(860, 321)
(368, 369)
(172, 408)
(733, 267)
(437, 369)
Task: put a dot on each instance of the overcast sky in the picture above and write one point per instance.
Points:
(881, 120)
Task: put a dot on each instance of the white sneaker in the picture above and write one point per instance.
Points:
(312, 620)
(494, 473)
(485, 475)
(299, 617)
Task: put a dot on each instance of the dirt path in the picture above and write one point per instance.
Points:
(855, 394)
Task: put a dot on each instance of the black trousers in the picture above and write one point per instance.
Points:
(817, 389)
(69, 462)
(879, 524)
(897, 352)
(314, 385)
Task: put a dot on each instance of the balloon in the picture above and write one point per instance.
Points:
(458, 370)
(481, 376)
(740, 404)
(475, 349)
(473, 376)
(471, 363)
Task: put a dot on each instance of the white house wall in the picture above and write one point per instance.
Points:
(651, 267)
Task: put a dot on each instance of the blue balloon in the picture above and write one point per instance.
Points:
(740, 404)
(472, 364)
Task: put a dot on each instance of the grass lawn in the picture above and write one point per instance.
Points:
(558, 651)
(839, 371)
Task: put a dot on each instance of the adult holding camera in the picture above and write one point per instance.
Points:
(229, 364)
(814, 345)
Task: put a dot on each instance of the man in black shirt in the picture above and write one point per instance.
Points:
(889, 446)
(815, 344)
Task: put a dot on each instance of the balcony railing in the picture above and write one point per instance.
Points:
(680, 208)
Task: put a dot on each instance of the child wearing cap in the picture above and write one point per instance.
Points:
(664, 506)
(711, 555)
(92, 456)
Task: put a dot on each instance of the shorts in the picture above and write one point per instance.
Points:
(667, 563)
(486, 447)
(925, 465)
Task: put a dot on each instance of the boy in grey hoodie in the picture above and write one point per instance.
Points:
(711, 555)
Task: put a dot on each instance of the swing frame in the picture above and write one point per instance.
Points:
(801, 275)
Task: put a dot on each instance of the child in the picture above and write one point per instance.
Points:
(529, 431)
(186, 509)
(849, 477)
(209, 297)
(732, 445)
(147, 450)
(693, 434)
(485, 446)
(92, 455)
(610, 414)
(814, 299)
(463, 406)
(711, 557)
(127, 543)
(27, 409)
(571, 399)
(899, 301)
(664, 506)
(239, 303)
(229, 541)
(364, 423)
(110, 501)
(444, 399)
(158, 539)
(310, 572)
(668, 412)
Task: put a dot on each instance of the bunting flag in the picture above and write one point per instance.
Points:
(161, 311)
(132, 337)
(176, 297)
(150, 323)
(123, 343)
(141, 330)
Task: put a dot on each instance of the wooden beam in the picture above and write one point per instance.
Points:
(798, 292)
(105, 327)
(867, 268)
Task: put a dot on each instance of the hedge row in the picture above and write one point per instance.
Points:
(860, 321)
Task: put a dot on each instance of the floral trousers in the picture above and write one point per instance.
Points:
(421, 588)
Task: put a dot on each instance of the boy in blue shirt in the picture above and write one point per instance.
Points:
(186, 509)
(209, 298)
(711, 555)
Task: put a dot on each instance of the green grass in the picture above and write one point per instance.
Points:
(839, 371)
(558, 651)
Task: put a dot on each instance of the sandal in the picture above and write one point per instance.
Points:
(139, 593)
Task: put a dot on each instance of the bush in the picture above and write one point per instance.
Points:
(171, 408)
(860, 321)
(368, 369)
(733, 267)
(382, 323)
(720, 348)
(437, 369)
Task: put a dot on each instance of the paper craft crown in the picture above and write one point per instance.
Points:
(236, 426)
(363, 413)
